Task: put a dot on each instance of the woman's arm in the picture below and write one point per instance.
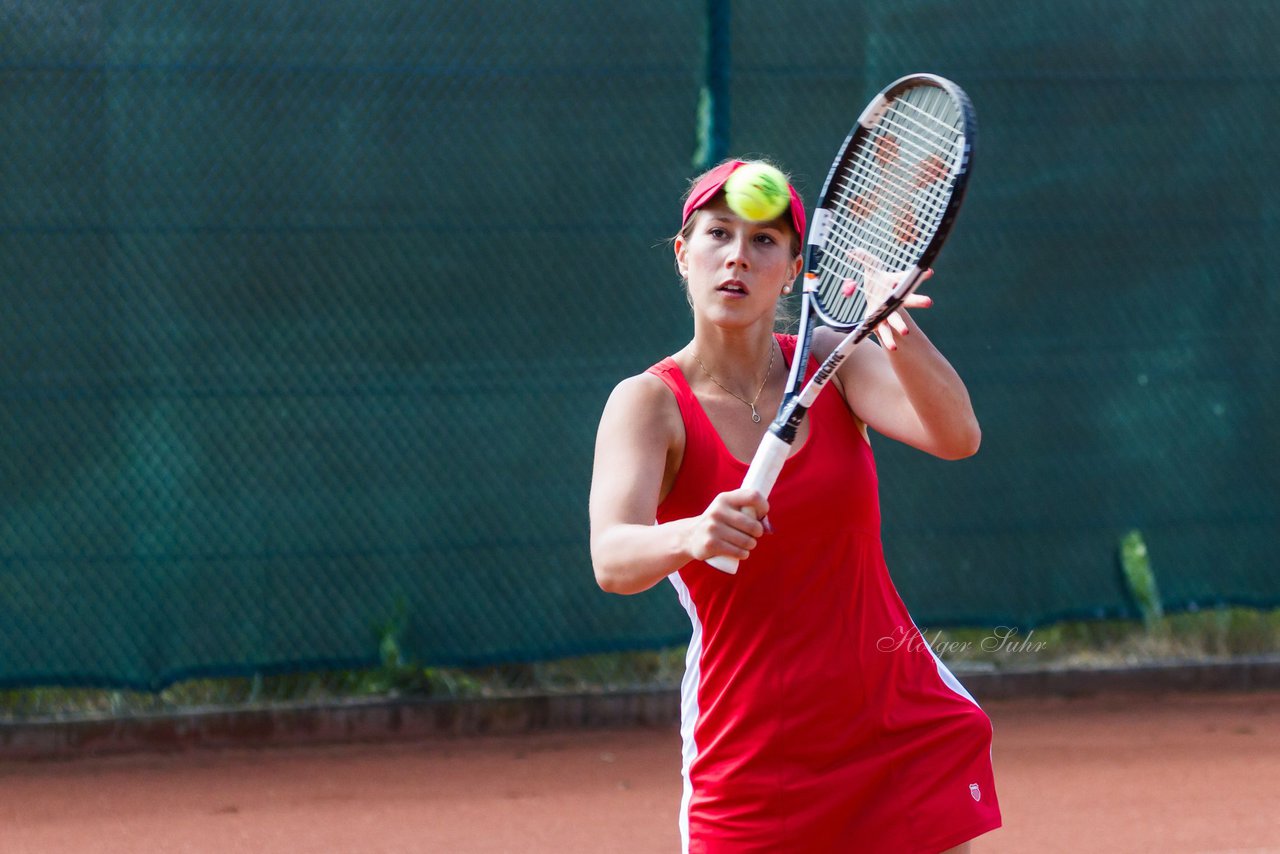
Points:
(910, 393)
(638, 446)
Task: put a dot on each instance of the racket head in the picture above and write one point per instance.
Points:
(891, 197)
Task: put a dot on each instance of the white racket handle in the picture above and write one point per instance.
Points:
(761, 476)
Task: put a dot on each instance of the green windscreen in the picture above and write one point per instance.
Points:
(310, 311)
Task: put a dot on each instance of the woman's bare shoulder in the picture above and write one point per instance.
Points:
(850, 377)
(645, 402)
(825, 341)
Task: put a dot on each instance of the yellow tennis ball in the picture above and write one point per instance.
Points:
(757, 191)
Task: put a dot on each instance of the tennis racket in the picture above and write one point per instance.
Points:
(887, 206)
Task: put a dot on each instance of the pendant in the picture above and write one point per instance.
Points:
(755, 416)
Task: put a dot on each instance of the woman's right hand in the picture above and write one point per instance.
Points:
(730, 526)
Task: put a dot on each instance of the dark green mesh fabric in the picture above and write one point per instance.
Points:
(310, 310)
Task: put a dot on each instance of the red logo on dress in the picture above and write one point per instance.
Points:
(975, 791)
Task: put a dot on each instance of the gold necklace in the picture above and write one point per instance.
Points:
(755, 416)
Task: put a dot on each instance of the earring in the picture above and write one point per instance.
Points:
(786, 289)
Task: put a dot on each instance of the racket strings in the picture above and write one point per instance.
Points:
(899, 193)
(890, 197)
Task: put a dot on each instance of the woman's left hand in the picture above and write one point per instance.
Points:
(877, 285)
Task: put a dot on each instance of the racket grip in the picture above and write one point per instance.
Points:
(761, 476)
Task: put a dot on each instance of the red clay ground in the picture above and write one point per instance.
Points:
(1184, 773)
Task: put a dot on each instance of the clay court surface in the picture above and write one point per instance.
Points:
(1175, 773)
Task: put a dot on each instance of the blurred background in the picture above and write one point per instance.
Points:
(311, 308)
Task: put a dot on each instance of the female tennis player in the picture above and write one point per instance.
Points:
(814, 716)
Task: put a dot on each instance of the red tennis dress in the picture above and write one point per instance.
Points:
(814, 716)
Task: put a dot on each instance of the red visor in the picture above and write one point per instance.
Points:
(714, 180)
